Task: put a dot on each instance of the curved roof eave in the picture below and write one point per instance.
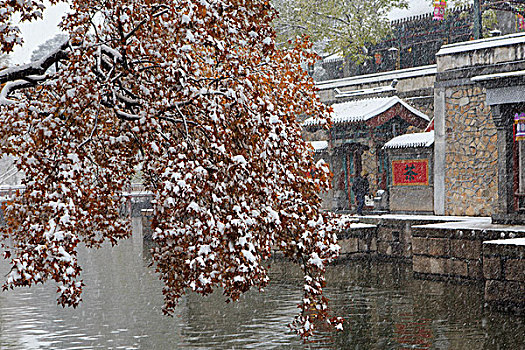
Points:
(358, 111)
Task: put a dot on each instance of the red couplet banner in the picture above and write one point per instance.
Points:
(410, 172)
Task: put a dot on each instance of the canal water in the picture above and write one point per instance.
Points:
(384, 308)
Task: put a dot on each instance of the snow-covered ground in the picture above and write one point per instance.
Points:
(478, 224)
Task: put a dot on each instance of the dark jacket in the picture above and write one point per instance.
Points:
(360, 186)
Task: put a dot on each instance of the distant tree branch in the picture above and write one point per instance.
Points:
(36, 68)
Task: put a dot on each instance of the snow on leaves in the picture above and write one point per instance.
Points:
(196, 94)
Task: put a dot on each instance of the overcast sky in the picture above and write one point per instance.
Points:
(417, 7)
(36, 33)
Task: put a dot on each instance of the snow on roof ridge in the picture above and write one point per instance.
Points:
(319, 146)
(376, 111)
(364, 92)
(377, 77)
(360, 110)
(364, 115)
(485, 77)
(480, 44)
(422, 139)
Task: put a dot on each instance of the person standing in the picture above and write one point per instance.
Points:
(360, 187)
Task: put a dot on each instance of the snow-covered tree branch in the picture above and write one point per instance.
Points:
(196, 93)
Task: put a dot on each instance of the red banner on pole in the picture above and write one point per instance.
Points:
(439, 9)
(410, 172)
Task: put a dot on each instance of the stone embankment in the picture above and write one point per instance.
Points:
(447, 248)
(504, 272)
(444, 248)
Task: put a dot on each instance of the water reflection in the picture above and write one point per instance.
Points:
(384, 307)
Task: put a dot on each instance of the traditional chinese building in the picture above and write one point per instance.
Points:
(354, 144)
(473, 91)
(369, 111)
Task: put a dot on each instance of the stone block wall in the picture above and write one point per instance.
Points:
(359, 240)
(436, 256)
(381, 237)
(377, 238)
(504, 273)
(394, 236)
(471, 177)
(469, 78)
(447, 254)
(459, 253)
(393, 241)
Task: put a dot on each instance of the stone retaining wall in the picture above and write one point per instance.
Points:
(446, 257)
(394, 236)
(450, 253)
(381, 237)
(437, 252)
(504, 273)
(359, 240)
